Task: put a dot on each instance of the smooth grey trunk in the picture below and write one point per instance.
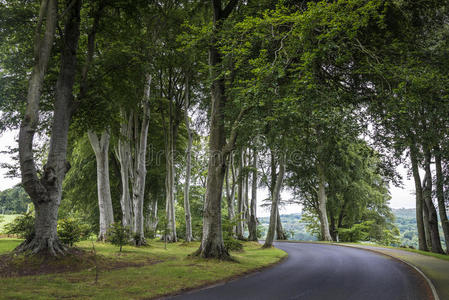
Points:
(188, 218)
(140, 167)
(419, 200)
(246, 193)
(433, 217)
(440, 197)
(230, 192)
(124, 156)
(252, 222)
(240, 200)
(275, 196)
(152, 220)
(280, 233)
(169, 181)
(322, 200)
(46, 191)
(100, 145)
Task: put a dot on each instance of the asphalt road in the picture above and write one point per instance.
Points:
(316, 271)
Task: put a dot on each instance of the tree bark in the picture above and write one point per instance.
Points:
(212, 245)
(322, 200)
(240, 200)
(46, 192)
(152, 219)
(188, 167)
(230, 192)
(275, 196)
(427, 195)
(440, 197)
(419, 200)
(140, 165)
(124, 156)
(101, 150)
(252, 222)
(280, 233)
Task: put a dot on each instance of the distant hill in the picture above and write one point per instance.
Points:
(405, 221)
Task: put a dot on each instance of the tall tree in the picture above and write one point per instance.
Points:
(46, 191)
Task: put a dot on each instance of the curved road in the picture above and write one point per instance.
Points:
(317, 271)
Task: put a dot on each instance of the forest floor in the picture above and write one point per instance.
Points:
(135, 273)
(435, 267)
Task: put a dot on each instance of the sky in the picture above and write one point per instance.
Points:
(400, 197)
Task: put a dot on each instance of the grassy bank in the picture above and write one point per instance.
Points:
(141, 273)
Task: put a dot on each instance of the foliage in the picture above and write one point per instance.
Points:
(22, 226)
(231, 244)
(71, 231)
(118, 235)
(14, 200)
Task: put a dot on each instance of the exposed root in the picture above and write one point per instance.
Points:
(45, 246)
(215, 252)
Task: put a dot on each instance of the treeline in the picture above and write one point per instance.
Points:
(14, 201)
(151, 113)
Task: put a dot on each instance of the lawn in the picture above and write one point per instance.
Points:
(5, 219)
(146, 272)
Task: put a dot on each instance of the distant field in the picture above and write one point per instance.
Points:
(5, 219)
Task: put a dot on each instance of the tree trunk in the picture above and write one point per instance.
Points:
(212, 245)
(440, 197)
(46, 192)
(427, 195)
(101, 150)
(252, 222)
(152, 219)
(188, 167)
(275, 196)
(140, 165)
(240, 200)
(230, 190)
(124, 157)
(280, 233)
(419, 200)
(169, 181)
(322, 199)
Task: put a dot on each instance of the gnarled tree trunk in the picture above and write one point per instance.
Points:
(101, 149)
(46, 192)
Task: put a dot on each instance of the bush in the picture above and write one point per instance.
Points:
(22, 226)
(118, 235)
(71, 231)
(231, 244)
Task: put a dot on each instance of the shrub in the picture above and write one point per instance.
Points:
(231, 244)
(71, 231)
(118, 235)
(22, 226)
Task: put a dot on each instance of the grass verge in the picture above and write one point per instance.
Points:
(154, 272)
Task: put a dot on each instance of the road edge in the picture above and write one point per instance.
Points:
(221, 281)
(426, 278)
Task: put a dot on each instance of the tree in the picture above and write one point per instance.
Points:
(45, 192)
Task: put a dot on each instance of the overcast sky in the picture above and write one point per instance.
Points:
(401, 198)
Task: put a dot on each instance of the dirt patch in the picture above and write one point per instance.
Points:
(13, 265)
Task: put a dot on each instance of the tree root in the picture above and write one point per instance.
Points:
(52, 246)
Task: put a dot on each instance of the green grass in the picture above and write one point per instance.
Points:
(172, 271)
(436, 255)
(5, 219)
